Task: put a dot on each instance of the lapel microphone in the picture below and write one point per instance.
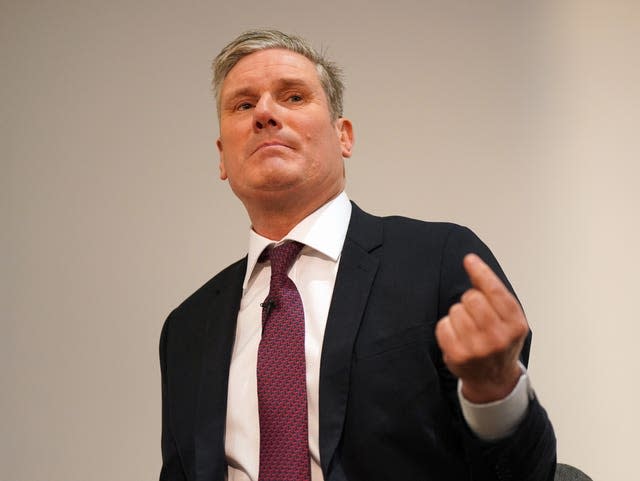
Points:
(267, 306)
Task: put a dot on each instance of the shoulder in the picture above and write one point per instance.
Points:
(440, 231)
(412, 245)
(226, 282)
(413, 232)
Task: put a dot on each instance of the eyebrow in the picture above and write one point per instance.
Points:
(285, 82)
(281, 83)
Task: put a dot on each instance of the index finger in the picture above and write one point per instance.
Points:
(487, 282)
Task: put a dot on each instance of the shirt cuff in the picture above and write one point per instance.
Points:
(498, 419)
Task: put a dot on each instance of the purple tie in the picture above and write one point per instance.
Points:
(282, 387)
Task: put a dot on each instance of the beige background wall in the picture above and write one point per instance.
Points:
(519, 119)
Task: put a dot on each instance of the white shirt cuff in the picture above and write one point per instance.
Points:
(498, 419)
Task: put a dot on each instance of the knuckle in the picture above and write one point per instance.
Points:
(513, 307)
(456, 310)
(467, 294)
(495, 289)
(471, 297)
(441, 327)
(521, 329)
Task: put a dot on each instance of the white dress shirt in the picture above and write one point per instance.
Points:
(314, 274)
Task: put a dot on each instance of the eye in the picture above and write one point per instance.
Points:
(295, 98)
(243, 106)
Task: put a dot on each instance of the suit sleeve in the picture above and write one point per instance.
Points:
(172, 469)
(529, 454)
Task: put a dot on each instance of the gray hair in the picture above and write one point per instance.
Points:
(329, 73)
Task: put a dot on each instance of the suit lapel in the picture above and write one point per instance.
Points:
(355, 276)
(353, 283)
(220, 325)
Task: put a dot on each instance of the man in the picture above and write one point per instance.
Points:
(399, 355)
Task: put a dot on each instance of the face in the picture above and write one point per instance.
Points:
(277, 141)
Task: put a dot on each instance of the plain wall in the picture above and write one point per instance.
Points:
(518, 119)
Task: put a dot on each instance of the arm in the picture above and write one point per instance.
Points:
(482, 337)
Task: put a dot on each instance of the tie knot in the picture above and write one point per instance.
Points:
(282, 257)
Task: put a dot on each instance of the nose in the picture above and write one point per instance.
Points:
(266, 114)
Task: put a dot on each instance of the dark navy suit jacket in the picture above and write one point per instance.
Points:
(388, 405)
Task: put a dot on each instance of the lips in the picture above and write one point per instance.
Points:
(270, 143)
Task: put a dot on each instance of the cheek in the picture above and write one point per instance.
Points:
(234, 151)
(235, 134)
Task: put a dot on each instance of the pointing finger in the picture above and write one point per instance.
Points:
(487, 282)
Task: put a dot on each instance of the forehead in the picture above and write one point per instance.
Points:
(269, 66)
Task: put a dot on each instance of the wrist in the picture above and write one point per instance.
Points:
(490, 389)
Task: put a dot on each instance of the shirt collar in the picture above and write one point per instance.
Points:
(324, 230)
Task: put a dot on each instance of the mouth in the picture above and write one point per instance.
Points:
(273, 143)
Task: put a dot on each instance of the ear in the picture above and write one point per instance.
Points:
(223, 171)
(345, 136)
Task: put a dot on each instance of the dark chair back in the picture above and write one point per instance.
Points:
(564, 472)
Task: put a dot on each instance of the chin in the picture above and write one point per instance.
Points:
(270, 190)
(278, 179)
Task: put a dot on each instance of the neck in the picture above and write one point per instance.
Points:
(274, 220)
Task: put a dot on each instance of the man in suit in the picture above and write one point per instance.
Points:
(413, 343)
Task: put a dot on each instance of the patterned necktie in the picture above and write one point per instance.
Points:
(282, 388)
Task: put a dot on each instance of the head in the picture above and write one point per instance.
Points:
(281, 143)
(329, 73)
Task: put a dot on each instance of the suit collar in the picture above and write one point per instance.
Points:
(365, 230)
(323, 231)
